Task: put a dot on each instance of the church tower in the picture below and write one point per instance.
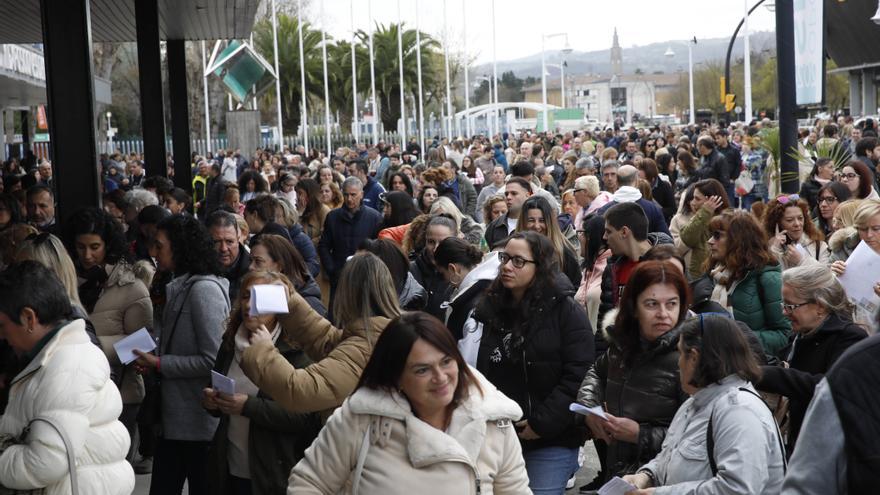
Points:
(616, 56)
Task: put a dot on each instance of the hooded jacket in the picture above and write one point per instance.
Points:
(842, 243)
(647, 391)
(68, 382)
(339, 356)
(539, 362)
(412, 296)
(437, 288)
(463, 299)
(479, 452)
(629, 194)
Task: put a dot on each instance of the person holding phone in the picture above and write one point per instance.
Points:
(794, 239)
(257, 441)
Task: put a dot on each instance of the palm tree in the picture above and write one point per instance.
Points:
(387, 69)
(289, 66)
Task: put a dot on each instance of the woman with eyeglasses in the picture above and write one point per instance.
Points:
(536, 347)
(859, 179)
(723, 439)
(746, 278)
(821, 320)
(115, 293)
(636, 381)
(829, 197)
(794, 240)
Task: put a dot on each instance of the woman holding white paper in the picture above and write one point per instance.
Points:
(114, 292)
(867, 222)
(257, 441)
(636, 381)
(364, 304)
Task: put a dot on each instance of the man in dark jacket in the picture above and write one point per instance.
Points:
(371, 187)
(627, 192)
(733, 157)
(214, 191)
(345, 228)
(234, 258)
(516, 192)
(713, 165)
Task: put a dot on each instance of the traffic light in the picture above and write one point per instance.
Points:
(729, 102)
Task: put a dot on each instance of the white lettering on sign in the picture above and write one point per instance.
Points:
(18, 59)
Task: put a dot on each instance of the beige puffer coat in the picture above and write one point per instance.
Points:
(123, 308)
(478, 453)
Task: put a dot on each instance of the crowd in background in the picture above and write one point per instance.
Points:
(446, 307)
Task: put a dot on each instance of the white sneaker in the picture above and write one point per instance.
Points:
(570, 483)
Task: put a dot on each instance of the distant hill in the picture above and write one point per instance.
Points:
(648, 58)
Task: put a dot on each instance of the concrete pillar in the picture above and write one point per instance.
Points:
(855, 94)
(179, 114)
(150, 78)
(243, 130)
(869, 92)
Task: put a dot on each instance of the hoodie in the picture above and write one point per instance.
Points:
(465, 297)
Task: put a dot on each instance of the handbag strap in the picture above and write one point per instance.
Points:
(362, 457)
(177, 318)
(71, 459)
(710, 438)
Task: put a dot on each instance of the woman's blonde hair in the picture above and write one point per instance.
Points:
(365, 290)
(867, 210)
(845, 213)
(817, 283)
(445, 205)
(50, 253)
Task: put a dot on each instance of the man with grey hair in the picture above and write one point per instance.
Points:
(345, 228)
(628, 192)
(609, 176)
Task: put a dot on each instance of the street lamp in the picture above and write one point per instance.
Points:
(561, 68)
(670, 53)
(544, 38)
(109, 135)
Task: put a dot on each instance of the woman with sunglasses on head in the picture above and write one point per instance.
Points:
(723, 439)
(829, 197)
(794, 240)
(536, 346)
(746, 278)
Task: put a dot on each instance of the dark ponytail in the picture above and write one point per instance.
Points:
(459, 251)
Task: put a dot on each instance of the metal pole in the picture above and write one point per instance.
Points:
(562, 82)
(419, 70)
(544, 84)
(254, 87)
(747, 63)
(355, 130)
(785, 87)
(467, 88)
(692, 117)
(494, 73)
(326, 86)
(373, 77)
(280, 136)
(205, 90)
(446, 60)
(302, 78)
(400, 69)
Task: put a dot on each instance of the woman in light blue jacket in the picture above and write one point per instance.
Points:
(723, 440)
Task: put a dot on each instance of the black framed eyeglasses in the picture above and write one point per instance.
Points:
(789, 308)
(827, 199)
(849, 176)
(518, 261)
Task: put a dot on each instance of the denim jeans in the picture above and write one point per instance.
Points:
(549, 468)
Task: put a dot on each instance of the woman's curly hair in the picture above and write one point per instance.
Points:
(98, 222)
(192, 248)
(747, 245)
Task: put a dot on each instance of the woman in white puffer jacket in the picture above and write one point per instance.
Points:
(432, 425)
(66, 381)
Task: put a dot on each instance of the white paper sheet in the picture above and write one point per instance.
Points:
(586, 411)
(862, 272)
(616, 486)
(222, 383)
(140, 340)
(268, 300)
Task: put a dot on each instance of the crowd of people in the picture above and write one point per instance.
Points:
(447, 309)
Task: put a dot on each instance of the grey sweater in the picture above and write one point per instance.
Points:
(186, 361)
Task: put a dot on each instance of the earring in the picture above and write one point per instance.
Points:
(30, 330)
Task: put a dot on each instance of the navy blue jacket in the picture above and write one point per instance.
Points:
(372, 190)
(343, 232)
(656, 220)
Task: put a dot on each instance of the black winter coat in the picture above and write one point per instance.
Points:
(277, 439)
(648, 392)
(436, 287)
(540, 362)
(343, 232)
(809, 358)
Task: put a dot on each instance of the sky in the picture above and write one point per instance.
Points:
(520, 24)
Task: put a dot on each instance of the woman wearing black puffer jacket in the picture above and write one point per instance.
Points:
(636, 381)
(536, 346)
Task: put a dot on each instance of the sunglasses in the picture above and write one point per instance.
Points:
(717, 234)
